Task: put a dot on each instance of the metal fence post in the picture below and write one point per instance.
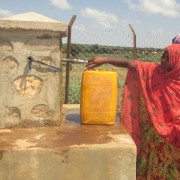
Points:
(134, 38)
(68, 52)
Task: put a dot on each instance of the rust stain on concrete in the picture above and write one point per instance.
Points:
(71, 133)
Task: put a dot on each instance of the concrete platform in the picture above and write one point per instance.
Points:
(70, 152)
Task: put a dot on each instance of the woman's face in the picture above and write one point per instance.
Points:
(165, 61)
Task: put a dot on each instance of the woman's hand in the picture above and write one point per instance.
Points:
(96, 61)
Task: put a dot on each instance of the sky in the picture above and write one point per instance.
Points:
(106, 22)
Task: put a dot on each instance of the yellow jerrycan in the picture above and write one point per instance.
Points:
(98, 101)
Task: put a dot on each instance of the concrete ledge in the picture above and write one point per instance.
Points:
(32, 21)
(25, 25)
(70, 152)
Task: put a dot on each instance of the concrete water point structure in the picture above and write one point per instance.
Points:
(41, 139)
(30, 97)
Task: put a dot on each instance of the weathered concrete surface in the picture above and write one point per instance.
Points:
(32, 21)
(70, 152)
(30, 98)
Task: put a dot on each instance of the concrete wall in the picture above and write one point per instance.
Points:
(29, 98)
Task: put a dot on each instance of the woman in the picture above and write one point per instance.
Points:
(151, 112)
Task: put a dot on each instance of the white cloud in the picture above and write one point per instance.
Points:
(137, 21)
(165, 7)
(5, 13)
(61, 4)
(105, 19)
(157, 32)
(79, 27)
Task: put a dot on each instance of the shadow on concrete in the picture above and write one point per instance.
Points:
(73, 118)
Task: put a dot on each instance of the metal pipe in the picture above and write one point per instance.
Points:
(75, 60)
(31, 59)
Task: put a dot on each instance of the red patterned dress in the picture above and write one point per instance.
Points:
(151, 113)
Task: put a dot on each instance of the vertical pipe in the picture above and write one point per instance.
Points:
(134, 46)
(60, 83)
(68, 52)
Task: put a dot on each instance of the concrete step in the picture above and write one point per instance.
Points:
(71, 152)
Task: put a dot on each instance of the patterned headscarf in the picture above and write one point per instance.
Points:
(174, 55)
(176, 40)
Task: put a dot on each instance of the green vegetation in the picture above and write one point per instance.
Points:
(84, 51)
